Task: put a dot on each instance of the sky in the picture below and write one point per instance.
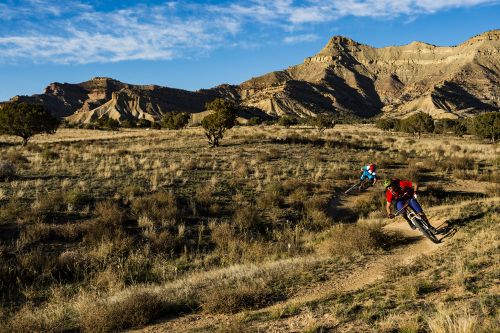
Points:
(200, 44)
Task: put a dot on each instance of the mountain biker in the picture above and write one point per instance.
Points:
(400, 191)
(369, 173)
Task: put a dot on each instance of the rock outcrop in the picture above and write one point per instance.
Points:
(345, 78)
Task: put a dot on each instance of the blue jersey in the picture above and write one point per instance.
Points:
(368, 172)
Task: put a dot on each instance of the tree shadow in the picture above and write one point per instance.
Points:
(8, 144)
(46, 177)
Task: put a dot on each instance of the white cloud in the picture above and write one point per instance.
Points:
(300, 38)
(75, 32)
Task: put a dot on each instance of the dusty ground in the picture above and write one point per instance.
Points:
(370, 272)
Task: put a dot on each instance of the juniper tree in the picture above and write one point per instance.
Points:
(26, 120)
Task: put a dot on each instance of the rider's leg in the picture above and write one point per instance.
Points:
(399, 205)
(363, 176)
(418, 209)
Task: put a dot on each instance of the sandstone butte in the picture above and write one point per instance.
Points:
(345, 78)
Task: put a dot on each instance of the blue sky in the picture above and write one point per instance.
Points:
(200, 44)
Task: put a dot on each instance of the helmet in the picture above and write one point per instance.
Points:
(387, 182)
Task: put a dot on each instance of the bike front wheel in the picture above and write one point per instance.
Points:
(422, 226)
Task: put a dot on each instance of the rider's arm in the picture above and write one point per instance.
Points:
(388, 208)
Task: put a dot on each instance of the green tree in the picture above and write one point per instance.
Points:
(418, 123)
(287, 121)
(143, 123)
(26, 120)
(175, 120)
(487, 125)
(322, 122)
(387, 124)
(223, 118)
(108, 123)
(254, 121)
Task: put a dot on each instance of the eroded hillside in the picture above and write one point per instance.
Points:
(345, 78)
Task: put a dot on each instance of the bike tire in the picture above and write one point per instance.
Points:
(427, 233)
(365, 185)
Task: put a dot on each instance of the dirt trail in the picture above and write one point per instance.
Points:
(361, 276)
(340, 207)
(357, 279)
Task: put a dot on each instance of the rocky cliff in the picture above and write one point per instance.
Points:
(345, 78)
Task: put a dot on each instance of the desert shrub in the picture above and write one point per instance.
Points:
(487, 125)
(287, 121)
(322, 122)
(315, 208)
(127, 123)
(143, 123)
(160, 206)
(7, 170)
(269, 122)
(50, 318)
(110, 211)
(16, 158)
(26, 120)
(46, 206)
(387, 124)
(175, 120)
(222, 119)
(413, 172)
(131, 191)
(368, 204)
(137, 268)
(133, 310)
(10, 211)
(272, 196)
(72, 266)
(418, 123)
(456, 163)
(455, 126)
(107, 123)
(35, 233)
(446, 320)
(298, 192)
(236, 299)
(164, 242)
(348, 240)
(76, 198)
(48, 154)
(254, 121)
(247, 219)
(222, 234)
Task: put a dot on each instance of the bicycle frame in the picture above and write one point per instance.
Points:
(414, 217)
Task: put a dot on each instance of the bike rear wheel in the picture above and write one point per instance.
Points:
(365, 184)
(421, 225)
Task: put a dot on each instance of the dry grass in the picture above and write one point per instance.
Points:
(353, 240)
(139, 222)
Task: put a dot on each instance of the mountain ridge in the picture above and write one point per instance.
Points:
(344, 78)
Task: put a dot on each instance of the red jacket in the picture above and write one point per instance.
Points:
(396, 193)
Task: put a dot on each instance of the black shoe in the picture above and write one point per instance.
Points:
(433, 230)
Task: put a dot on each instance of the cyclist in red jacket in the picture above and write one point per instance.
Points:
(398, 192)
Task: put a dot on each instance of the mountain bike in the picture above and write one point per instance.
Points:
(360, 186)
(418, 221)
